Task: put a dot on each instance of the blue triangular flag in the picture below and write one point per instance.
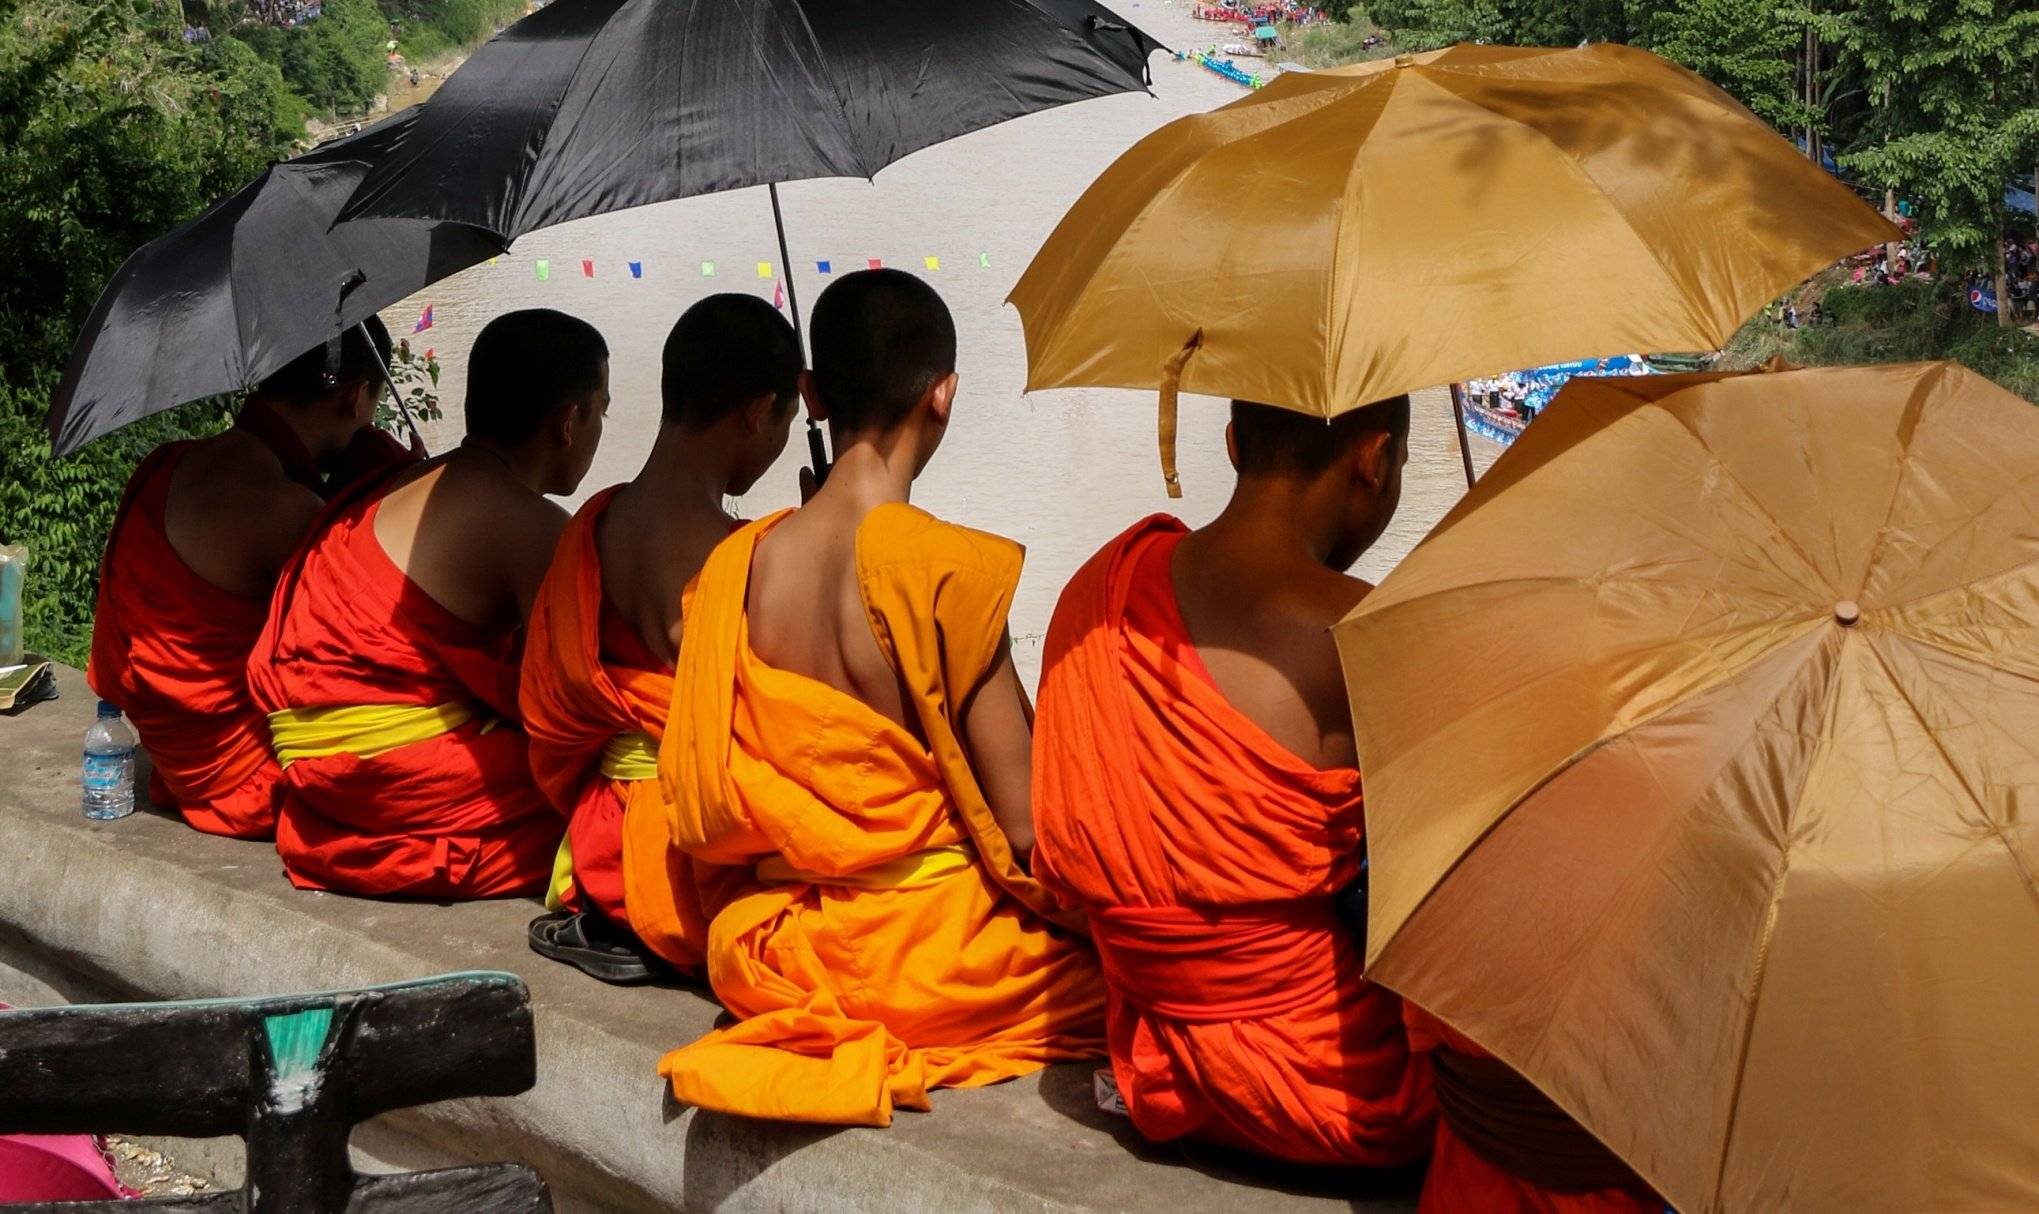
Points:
(822, 267)
(637, 269)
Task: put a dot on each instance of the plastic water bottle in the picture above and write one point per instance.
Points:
(109, 766)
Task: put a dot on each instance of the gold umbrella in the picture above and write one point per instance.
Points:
(1341, 237)
(1701, 745)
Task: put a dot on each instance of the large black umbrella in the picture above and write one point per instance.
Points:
(217, 304)
(589, 106)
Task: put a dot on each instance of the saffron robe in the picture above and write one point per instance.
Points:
(171, 649)
(1208, 857)
(454, 813)
(588, 682)
(888, 943)
(1459, 1179)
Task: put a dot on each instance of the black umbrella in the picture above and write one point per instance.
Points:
(233, 295)
(589, 106)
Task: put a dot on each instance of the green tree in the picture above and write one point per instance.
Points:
(112, 130)
(1748, 47)
(1954, 118)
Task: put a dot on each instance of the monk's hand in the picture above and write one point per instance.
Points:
(807, 485)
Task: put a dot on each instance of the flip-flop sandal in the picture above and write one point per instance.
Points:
(580, 941)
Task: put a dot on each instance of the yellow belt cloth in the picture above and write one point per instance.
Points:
(627, 756)
(363, 730)
(921, 868)
(630, 756)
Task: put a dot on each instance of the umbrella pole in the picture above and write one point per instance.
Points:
(1458, 416)
(817, 446)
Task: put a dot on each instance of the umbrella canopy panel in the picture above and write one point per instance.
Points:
(1341, 237)
(589, 106)
(217, 304)
(1700, 779)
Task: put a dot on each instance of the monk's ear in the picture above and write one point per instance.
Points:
(1232, 446)
(941, 397)
(1370, 460)
(816, 407)
(759, 412)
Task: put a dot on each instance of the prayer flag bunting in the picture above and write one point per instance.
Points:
(779, 296)
(424, 320)
(707, 269)
(876, 264)
(822, 267)
(984, 259)
(932, 263)
(492, 261)
(587, 268)
(544, 269)
(637, 269)
(764, 269)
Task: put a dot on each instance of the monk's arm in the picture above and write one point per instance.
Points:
(998, 727)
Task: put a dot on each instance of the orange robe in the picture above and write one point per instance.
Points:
(1459, 1179)
(889, 943)
(171, 649)
(456, 815)
(1208, 857)
(588, 678)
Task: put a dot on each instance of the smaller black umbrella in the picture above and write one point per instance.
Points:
(221, 302)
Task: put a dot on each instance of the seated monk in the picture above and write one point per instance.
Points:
(598, 660)
(1503, 1146)
(1195, 793)
(388, 666)
(849, 727)
(202, 532)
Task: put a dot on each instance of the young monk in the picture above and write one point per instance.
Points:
(202, 532)
(388, 666)
(1195, 792)
(850, 726)
(598, 664)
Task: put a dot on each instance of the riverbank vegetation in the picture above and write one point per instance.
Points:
(337, 61)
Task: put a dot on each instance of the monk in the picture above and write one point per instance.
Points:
(1195, 793)
(388, 667)
(598, 660)
(1504, 1146)
(849, 727)
(202, 532)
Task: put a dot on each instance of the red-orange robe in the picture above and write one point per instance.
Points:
(171, 649)
(1208, 857)
(587, 678)
(1460, 1180)
(456, 815)
(889, 942)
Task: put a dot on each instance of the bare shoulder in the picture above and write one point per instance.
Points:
(233, 517)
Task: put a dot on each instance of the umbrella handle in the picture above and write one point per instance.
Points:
(1171, 383)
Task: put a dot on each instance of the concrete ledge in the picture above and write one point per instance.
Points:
(145, 908)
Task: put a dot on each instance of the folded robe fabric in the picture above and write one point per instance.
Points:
(1208, 856)
(890, 943)
(171, 649)
(451, 814)
(1462, 1178)
(591, 689)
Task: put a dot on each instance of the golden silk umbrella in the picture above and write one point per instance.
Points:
(1341, 237)
(1701, 745)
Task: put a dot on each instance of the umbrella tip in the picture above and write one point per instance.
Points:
(1846, 612)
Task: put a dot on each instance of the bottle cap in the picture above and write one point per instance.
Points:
(108, 710)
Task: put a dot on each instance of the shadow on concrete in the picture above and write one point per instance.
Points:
(726, 1153)
(1067, 1090)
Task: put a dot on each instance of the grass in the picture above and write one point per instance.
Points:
(1337, 43)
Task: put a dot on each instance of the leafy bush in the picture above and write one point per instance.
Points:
(112, 131)
(427, 29)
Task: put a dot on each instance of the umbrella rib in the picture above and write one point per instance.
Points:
(1728, 474)
(1960, 776)
(1908, 425)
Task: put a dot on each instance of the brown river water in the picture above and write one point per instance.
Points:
(1061, 471)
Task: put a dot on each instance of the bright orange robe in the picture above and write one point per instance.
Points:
(1207, 857)
(171, 649)
(1459, 1179)
(588, 677)
(456, 815)
(890, 944)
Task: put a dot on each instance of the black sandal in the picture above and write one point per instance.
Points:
(594, 946)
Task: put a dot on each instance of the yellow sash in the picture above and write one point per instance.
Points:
(362, 730)
(630, 756)
(921, 868)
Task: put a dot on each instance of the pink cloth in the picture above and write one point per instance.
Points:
(56, 1167)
